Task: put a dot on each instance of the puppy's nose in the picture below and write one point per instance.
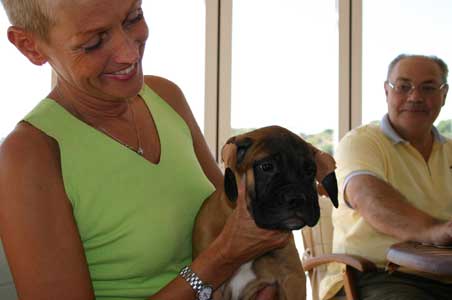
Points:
(293, 201)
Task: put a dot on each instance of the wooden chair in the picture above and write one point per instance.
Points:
(318, 242)
(428, 259)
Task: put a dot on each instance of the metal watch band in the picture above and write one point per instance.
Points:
(203, 291)
(193, 280)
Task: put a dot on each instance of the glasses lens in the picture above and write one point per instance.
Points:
(426, 89)
(429, 88)
(403, 87)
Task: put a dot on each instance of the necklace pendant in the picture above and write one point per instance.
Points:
(140, 151)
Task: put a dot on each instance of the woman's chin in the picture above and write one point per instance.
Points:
(124, 89)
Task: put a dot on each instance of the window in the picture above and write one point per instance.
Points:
(409, 26)
(23, 84)
(176, 47)
(285, 67)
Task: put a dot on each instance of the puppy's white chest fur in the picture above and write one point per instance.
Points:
(244, 275)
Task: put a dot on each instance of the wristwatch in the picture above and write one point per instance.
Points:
(203, 291)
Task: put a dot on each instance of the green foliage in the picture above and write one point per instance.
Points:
(322, 140)
(445, 128)
(237, 131)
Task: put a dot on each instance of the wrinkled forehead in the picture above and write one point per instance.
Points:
(417, 69)
(286, 145)
(89, 14)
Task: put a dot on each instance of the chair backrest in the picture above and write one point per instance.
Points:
(317, 241)
(7, 288)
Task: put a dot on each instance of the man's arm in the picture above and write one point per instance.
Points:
(388, 211)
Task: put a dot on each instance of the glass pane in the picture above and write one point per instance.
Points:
(285, 67)
(176, 47)
(23, 84)
(409, 26)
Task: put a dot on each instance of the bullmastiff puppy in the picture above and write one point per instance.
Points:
(280, 174)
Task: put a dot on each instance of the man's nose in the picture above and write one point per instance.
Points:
(415, 94)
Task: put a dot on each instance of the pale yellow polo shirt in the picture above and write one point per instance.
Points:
(379, 150)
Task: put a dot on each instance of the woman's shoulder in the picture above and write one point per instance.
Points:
(27, 149)
(164, 87)
(170, 93)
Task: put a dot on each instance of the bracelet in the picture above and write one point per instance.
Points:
(203, 291)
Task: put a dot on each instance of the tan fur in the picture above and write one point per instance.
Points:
(281, 267)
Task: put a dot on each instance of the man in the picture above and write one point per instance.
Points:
(396, 181)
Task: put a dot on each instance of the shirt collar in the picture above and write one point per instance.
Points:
(389, 131)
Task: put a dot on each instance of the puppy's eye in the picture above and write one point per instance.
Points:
(267, 167)
(240, 154)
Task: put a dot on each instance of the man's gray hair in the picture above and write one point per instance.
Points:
(441, 64)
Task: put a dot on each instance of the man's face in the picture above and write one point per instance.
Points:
(417, 108)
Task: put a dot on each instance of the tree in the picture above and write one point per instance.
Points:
(445, 128)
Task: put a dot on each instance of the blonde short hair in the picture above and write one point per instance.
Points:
(31, 15)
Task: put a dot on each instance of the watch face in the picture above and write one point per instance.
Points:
(205, 293)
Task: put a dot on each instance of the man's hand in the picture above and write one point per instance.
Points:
(441, 234)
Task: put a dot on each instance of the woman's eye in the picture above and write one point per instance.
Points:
(95, 42)
(135, 17)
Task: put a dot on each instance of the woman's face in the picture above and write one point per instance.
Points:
(96, 47)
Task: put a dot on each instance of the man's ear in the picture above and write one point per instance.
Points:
(26, 42)
(445, 94)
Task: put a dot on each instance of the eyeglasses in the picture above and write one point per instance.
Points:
(406, 87)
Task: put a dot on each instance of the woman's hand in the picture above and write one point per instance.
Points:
(241, 240)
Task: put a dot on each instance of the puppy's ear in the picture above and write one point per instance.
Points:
(330, 185)
(229, 155)
(230, 185)
(242, 147)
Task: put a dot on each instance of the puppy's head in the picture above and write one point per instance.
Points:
(280, 175)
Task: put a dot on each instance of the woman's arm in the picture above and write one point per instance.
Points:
(240, 241)
(37, 227)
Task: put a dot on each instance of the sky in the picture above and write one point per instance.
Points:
(284, 58)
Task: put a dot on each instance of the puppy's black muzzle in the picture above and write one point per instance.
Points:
(285, 192)
(286, 208)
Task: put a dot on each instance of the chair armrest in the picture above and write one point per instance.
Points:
(357, 262)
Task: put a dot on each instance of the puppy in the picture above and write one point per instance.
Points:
(280, 175)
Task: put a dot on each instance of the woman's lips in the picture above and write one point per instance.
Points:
(124, 74)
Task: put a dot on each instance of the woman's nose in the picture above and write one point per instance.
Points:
(127, 51)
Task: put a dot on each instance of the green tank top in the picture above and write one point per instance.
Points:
(134, 217)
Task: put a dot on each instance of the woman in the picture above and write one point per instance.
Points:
(101, 182)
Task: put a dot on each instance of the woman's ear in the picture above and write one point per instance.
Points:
(26, 42)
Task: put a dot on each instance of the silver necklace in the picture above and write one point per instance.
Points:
(139, 150)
